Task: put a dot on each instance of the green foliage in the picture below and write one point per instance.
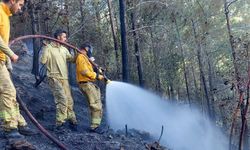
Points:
(158, 41)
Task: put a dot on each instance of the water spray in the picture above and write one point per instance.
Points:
(181, 128)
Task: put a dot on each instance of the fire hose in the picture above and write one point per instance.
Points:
(49, 38)
(39, 126)
(63, 43)
(23, 106)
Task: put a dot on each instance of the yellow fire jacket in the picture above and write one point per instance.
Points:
(84, 69)
(4, 32)
(55, 57)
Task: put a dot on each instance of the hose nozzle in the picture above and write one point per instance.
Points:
(107, 81)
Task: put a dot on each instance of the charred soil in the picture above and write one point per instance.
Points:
(40, 103)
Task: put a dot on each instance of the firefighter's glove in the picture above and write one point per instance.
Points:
(8, 64)
(92, 58)
(100, 71)
(100, 77)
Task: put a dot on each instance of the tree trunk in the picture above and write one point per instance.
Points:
(66, 18)
(236, 71)
(195, 85)
(183, 58)
(114, 34)
(171, 89)
(35, 30)
(204, 28)
(100, 43)
(137, 50)
(201, 70)
(82, 2)
(45, 19)
(244, 109)
(156, 67)
(125, 76)
(211, 86)
(168, 92)
(66, 7)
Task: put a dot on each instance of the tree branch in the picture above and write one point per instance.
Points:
(141, 28)
(231, 3)
(142, 3)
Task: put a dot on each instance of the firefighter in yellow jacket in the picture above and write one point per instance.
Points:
(13, 122)
(55, 57)
(85, 77)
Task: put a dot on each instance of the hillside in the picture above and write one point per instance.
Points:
(40, 102)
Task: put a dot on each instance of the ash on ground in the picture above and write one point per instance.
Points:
(40, 103)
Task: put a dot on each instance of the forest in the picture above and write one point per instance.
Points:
(193, 52)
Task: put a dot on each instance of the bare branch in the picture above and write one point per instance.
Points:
(201, 8)
(82, 25)
(231, 3)
(142, 3)
(141, 28)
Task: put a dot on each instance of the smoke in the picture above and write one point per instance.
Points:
(184, 129)
(28, 43)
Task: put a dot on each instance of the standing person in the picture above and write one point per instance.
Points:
(13, 121)
(85, 76)
(55, 57)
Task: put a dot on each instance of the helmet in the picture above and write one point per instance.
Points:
(90, 49)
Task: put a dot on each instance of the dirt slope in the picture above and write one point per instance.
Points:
(40, 103)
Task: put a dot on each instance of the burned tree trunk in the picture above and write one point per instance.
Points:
(243, 135)
(124, 42)
(35, 30)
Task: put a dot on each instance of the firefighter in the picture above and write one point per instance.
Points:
(55, 57)
(85, 77)
(13, 123)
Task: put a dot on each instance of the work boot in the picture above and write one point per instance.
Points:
(73, 126)
(97, 130)
(13, 134)
(25, 130)
(19, 144)
(60, 126)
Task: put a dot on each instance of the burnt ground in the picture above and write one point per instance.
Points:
(40, 102)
